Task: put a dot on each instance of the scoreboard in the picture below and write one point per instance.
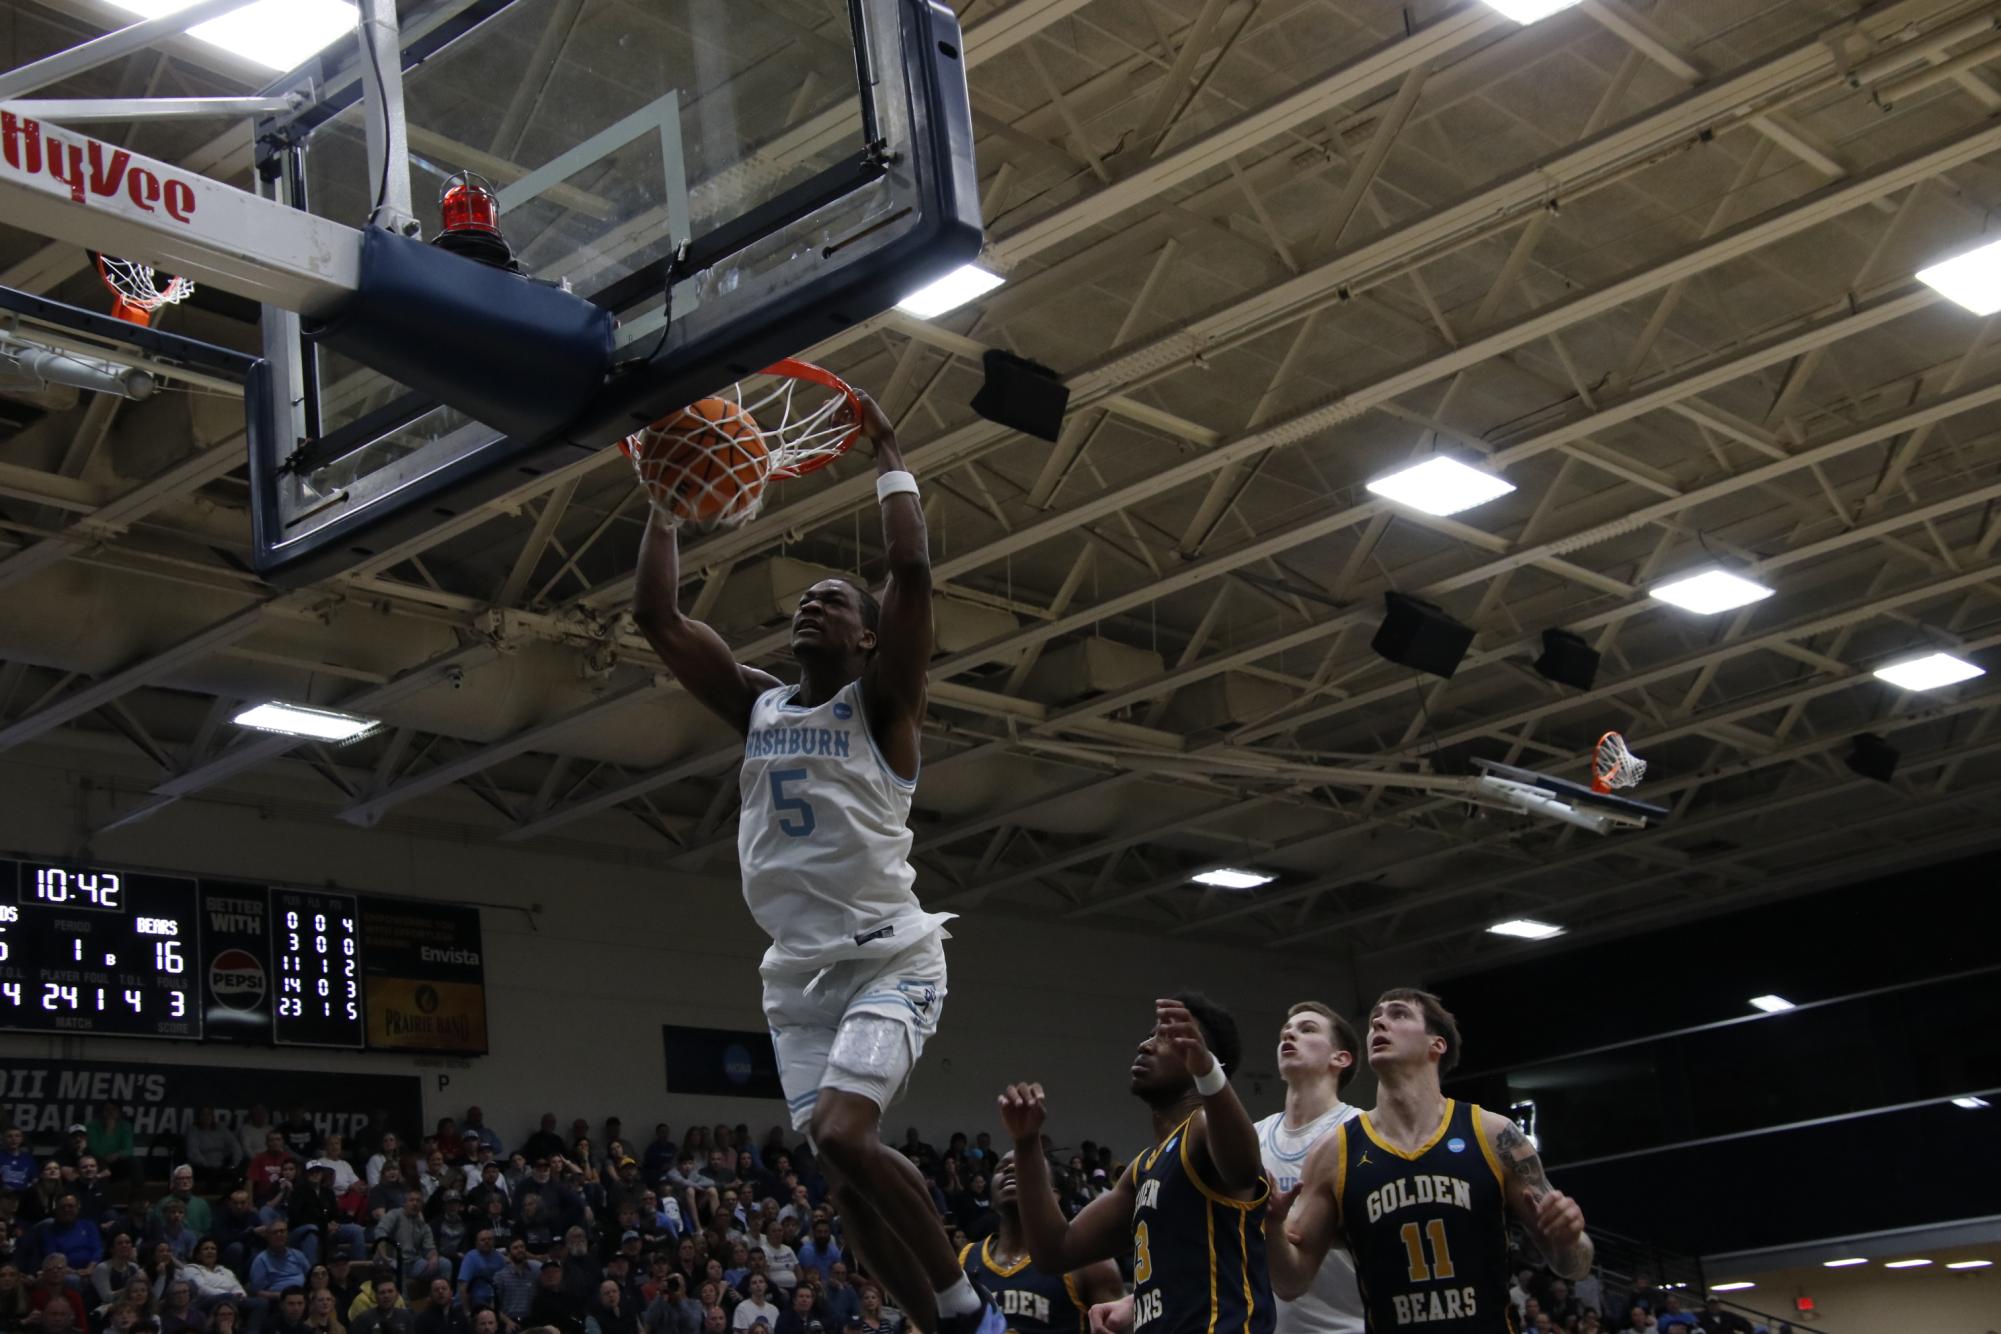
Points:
(318, 967)
(93, 949)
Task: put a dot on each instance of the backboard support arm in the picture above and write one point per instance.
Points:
(25, 79)
(383, 118)
(84, 110)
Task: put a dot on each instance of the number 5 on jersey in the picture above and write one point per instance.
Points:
(795, 814)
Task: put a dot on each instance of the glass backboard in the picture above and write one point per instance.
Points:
(796, 165)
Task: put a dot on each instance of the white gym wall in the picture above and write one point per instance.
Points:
(577, 993)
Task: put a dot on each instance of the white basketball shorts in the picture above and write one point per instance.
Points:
(813, 1012)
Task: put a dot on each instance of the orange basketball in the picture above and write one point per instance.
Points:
(706, 463)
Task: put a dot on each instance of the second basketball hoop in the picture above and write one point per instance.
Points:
(138, 290)
(1613, 766)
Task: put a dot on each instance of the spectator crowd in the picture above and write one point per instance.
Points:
(274, 1226)
(1546, 1303)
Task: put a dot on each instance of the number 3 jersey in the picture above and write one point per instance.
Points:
(1428, 1229)
(1198, 1255)
(823, 836)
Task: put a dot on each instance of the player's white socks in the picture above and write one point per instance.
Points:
(959, 1299)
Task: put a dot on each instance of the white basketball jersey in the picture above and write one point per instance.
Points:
(824, 834)
(1333, 1305)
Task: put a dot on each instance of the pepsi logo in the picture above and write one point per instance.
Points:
(236, 980)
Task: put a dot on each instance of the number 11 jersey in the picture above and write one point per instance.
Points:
(823, 836)
(1428, 1229)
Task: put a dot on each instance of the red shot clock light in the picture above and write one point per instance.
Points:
(469, 215)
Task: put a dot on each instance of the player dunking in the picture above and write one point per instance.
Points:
(1419, 1190)
(855, 976)
(1190, 1208)
(1033, 1301)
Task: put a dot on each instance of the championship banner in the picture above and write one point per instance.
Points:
(46, 1097)
(235, 988)
(425, 980)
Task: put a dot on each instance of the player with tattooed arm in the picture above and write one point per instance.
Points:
(1420, 1190)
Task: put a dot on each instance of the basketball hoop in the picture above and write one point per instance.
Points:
(709, 463)
(136, 290)
(1614, 766)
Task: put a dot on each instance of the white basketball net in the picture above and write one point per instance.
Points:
(1614, 766)
(137, 285)
(697, 472)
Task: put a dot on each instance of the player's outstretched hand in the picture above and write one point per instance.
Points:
(1022, 1111)
(1113, 1317)
(1559, 1220)
(875, 423)
(1174, 1027)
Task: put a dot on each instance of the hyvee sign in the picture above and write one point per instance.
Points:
(91, 169)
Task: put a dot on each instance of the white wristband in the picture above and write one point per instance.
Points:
(898, 483)
(1214, 1082)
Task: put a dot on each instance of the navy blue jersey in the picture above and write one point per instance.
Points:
(1428, 1229)
(1198, 1255)
(1033, 1300)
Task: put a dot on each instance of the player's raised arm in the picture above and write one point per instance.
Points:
(1225, 1132)
(693, 652)
(1551, 1217)
(1301, 1225)
(1099, 1283)
(894, 681)
(1101, 1229)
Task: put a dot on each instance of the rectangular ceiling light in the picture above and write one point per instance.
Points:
(1934, 671)
(1710, 591)
(1907, 1264)
(294, 720)
(1972, 279)
(954, 290)
(1526, 928)
(1732, 1287)
(1770, 1004)
(1970, 1103)
(1843, 1264)
(1529, 11)
(1440, 485)
(1229, 877)
(277, 34)
(1969, 1264)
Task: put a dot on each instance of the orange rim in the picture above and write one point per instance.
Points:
(1601, 773)
(122, 306)
(793, 368)
(826, 379)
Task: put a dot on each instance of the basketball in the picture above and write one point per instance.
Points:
(705, 464)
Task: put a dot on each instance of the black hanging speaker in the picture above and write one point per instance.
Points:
(1567, 660)
(1022, 394)
(1872, 757)
(1417, 634)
